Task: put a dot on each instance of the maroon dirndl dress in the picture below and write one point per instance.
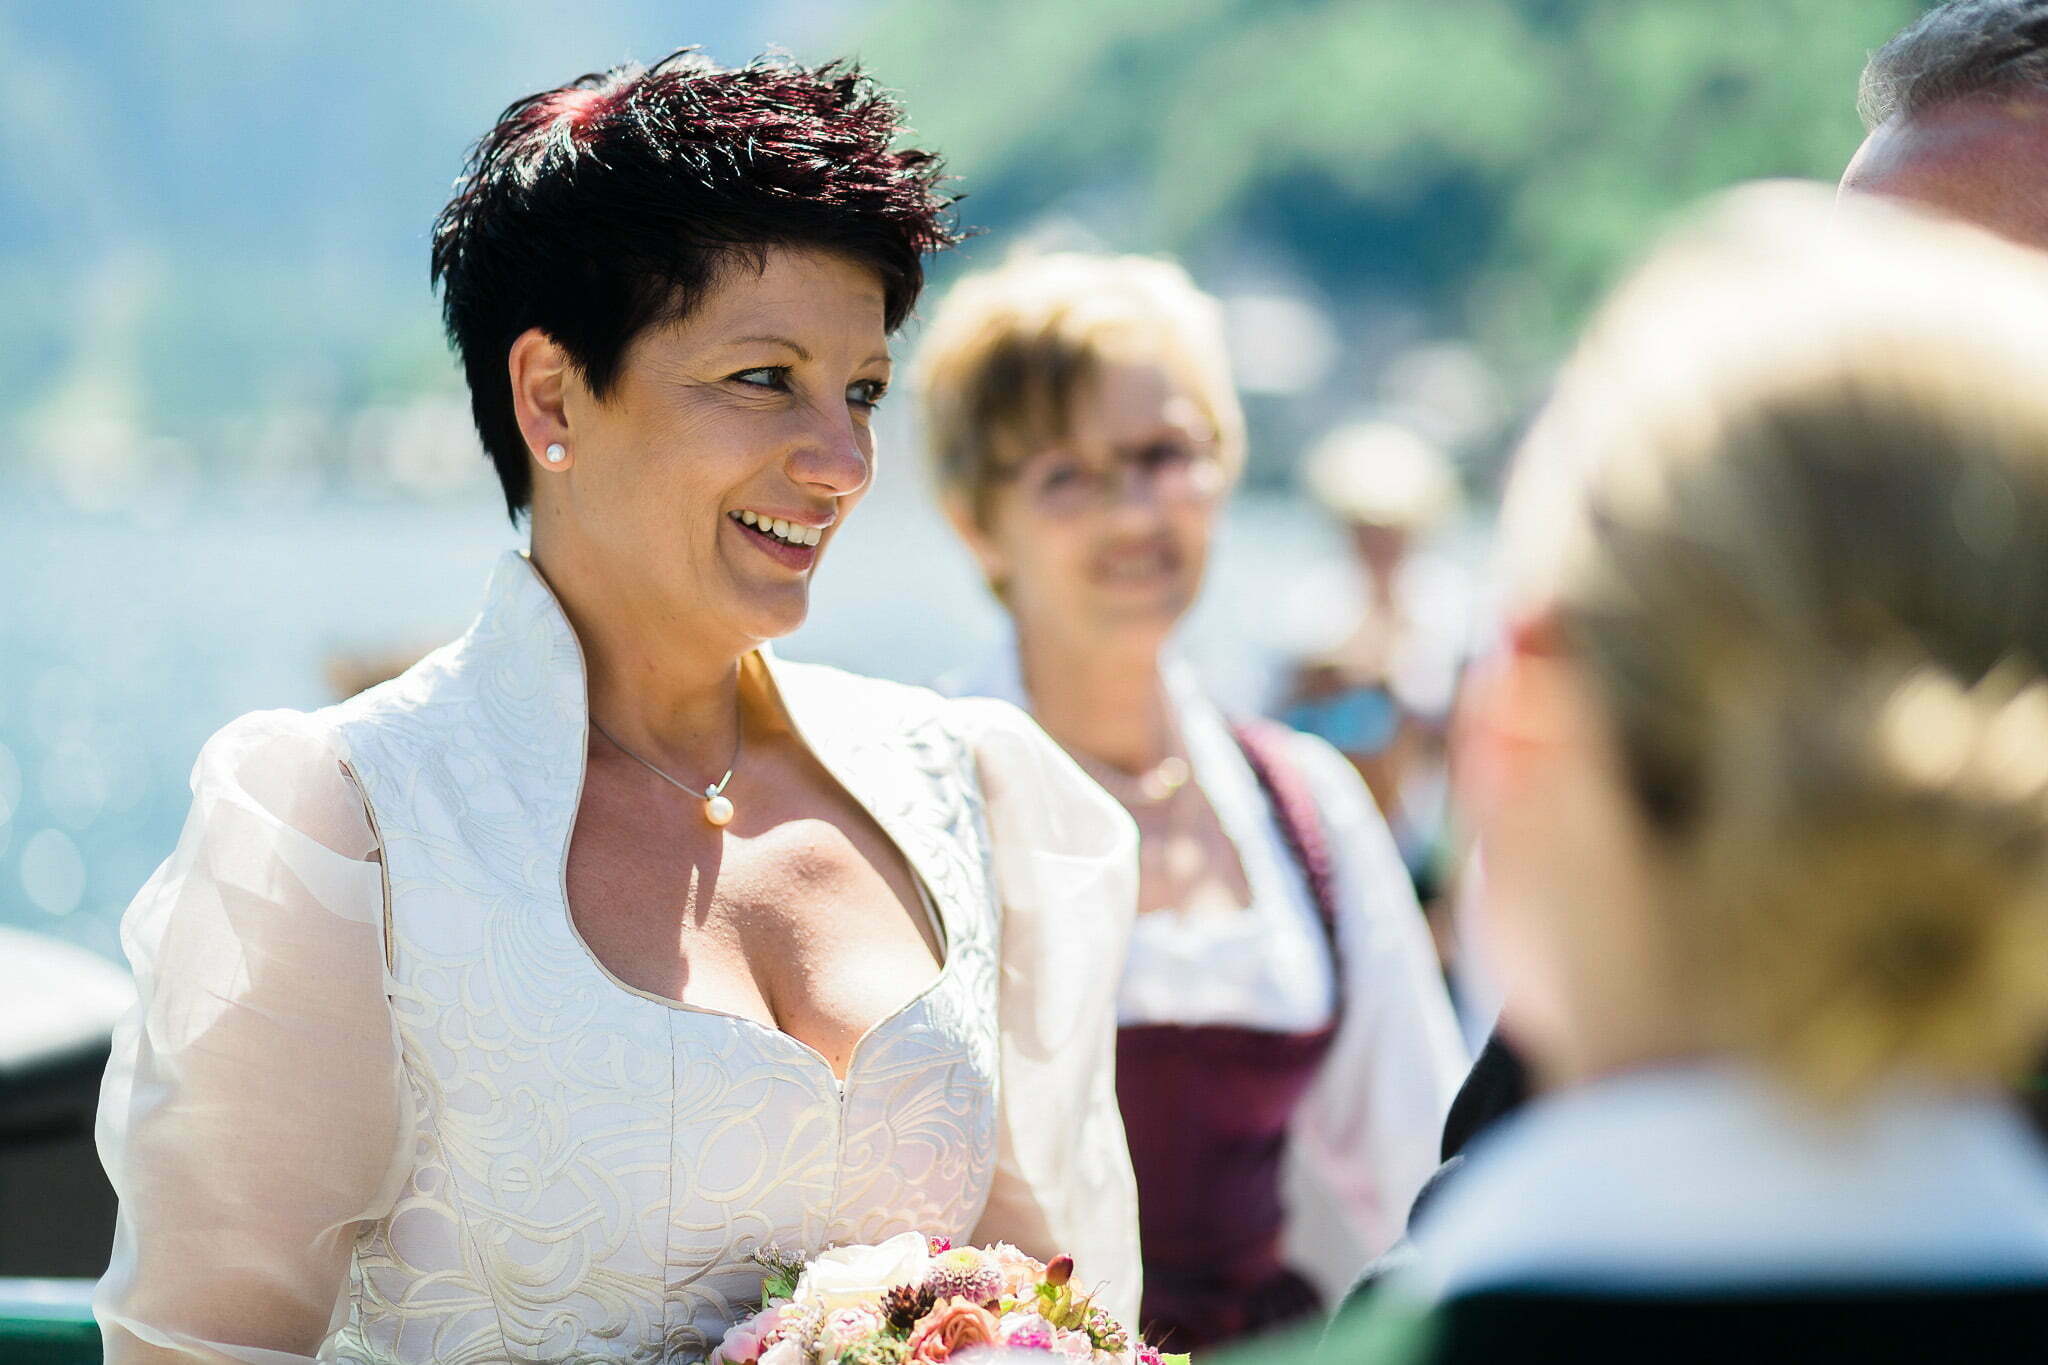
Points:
(1207, 1109)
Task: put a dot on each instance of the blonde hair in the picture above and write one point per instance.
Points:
(1789, 506)
(1010, 352)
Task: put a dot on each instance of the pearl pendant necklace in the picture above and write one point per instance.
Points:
(718, 808)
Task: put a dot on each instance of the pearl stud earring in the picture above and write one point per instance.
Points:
(557, 452)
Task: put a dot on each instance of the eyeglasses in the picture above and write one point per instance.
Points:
(1065, 483)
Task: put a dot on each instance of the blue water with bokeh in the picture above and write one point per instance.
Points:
(129, 635)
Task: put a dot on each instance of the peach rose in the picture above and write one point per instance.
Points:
(1021, 1274)
(951, 1328)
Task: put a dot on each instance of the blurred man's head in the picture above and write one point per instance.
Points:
(1957, 107)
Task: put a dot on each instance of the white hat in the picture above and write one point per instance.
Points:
(1381, 474)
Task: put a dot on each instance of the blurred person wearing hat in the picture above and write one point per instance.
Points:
(1286, 1047)
(1381, 693)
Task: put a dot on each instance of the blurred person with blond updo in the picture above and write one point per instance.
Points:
(1761, 772)
(1286, 1048)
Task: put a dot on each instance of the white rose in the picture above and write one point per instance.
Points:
(851, 1277)
(784, 1352)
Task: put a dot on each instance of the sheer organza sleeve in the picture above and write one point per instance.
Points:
(253, 1115)
(1367, 1134)
(1066, 864)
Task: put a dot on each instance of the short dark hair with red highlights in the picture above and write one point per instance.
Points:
(604, 207)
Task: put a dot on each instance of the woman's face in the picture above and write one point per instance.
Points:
(754, 409)
(1106, 536)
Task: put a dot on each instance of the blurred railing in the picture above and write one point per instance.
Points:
(48, 1322)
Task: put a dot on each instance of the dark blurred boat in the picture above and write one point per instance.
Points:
(58, 1007)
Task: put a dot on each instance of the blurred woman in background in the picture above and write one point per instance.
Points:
(1281, 1003)
(1761, 773)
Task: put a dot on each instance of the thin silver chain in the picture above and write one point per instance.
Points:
(716, 787)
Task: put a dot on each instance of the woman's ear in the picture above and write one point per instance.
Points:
(1518, 709)
(541, 372)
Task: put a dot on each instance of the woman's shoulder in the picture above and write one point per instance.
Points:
(280, 742)
(1343, 805)
(288, 767)
(1332, 780)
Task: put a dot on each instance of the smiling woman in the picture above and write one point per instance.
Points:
(508, 1010)
(1281, 998)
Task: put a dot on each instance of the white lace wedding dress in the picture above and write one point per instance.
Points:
(379, 1102)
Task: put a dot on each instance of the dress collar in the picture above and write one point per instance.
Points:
(1710, 1176)
(533, 686)
(523, 630)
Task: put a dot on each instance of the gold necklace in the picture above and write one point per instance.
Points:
(718, 807)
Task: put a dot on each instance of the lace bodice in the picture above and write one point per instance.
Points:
(574, 1170)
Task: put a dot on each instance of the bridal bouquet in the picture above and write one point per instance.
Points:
(925, 1302)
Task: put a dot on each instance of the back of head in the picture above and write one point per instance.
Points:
(1789, 507)
(1956, 51)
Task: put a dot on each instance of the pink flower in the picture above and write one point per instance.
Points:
(743, 1341)
(1148, 1356)
(1020, 1274)
(846, 1326)
(1073, 1345)
(1025, 1332)
(941, 1245)
(951, 1328)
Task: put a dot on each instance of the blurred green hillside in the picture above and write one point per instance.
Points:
(1476, 168)
(215, 212)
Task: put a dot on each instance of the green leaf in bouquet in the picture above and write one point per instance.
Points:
(1166, 1359)
(1059, 1305)
(783, 1272)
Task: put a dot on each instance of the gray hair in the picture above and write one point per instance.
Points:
(1964, 48)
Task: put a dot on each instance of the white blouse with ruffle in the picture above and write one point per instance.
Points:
(1368, 1134)
(378, 1102)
